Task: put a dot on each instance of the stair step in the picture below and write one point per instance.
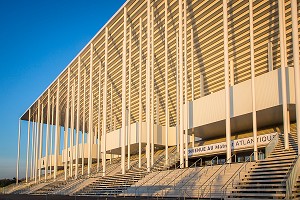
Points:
(262, 190)
(277, 195)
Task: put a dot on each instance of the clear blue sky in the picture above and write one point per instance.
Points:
(38, 39)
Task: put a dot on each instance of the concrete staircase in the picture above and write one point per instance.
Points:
(118, 183)
(267, 178)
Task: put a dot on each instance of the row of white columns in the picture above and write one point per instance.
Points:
(182, 126)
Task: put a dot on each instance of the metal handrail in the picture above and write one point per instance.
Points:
(272, 144)
(170, 158)
(293, 175)
(237, 173)
(169, 171)
(193, 175)
(194, 164)
(216, 157)
(213, 175)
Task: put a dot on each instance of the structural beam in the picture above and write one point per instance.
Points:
(123, 134)
(283, 63)
(140, 96)
(104, 131)
(254, 120)
(90, 111)
(57, 130)
(295, 39)
(18, 158)
(166, 82)
(78, 117)
(28, 143)
(227, 91)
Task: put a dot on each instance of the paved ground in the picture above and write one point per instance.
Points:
(59, 197)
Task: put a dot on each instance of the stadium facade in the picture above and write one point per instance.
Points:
(206, 77)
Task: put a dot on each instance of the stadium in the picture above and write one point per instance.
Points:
(171, 99)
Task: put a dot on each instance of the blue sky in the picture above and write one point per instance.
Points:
(38, 39)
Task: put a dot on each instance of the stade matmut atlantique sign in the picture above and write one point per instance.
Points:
(238, 144)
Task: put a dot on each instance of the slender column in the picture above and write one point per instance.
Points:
(193, 90)
(152, 88)
(35, 147)
(18, 158)
(123, 134)
(28, 143)
(166, 81)
(296, 65)
(32, 148)
(78, 117)
(99, 122)
(254, 121)
(83, 123)
(37, 142)
(270, 56)
(129, 102)
(90, 110)
(67, 124)
(105, 103)
(51, 139)
(227, 95)
(148, 122)
(231, 66)
(140, 97)
(41, 142)
(181, 127)
(283, 63)
(177, 96)
(66, 144)
(72, 130)
(186, 86)
(47, 135)
(57, 131)
(192, 62)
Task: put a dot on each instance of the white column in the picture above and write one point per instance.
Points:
(37, 143)
(281, 16)
(35, 147)
(57, 131)
(66, 144)
(186, 86)
(104, 131)
(99, 121)
(47, 135)
(254, 122)
(166, 82)
(78, 117)
(152, 87)
(192, 62)
(177, 96)
(181, 127)
(90, 111)
(227, 91)
(18, 158)
(148, 122)
(41, 142)
(28, 143)
(67, 125)
(51, 133)
(123, 134)
(129, 103)
(295, 35)
(231, 65)
(270, 56)
(72, 129)
(140, 97)
(83, 123)
(32, 148)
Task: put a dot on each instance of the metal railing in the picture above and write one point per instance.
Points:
(291, 177)
(230, 181)
(164, 191)
(212, 178)
(271, 145)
